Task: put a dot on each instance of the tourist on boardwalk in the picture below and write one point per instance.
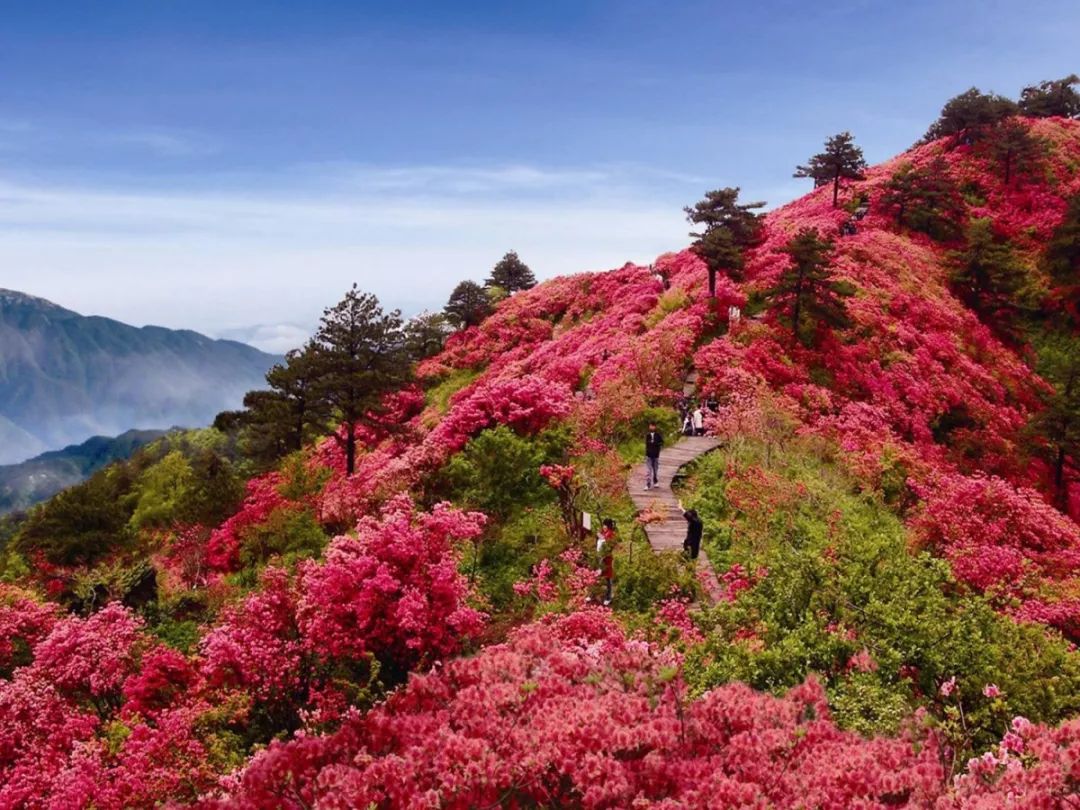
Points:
(694, 528)
(687, 423)
(699, 421)
(653, 442)
(605, 550)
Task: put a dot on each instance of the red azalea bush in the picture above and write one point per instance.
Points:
(1004, 539)
(572, 712)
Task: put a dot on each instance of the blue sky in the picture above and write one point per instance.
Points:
(230, 165)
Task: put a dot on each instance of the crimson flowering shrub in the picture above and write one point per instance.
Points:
(102, 714)
(394, 590)
(24, 621)
(572, 712)
(1006, 540)
(526, 404)
(262, 498)
(56, 703)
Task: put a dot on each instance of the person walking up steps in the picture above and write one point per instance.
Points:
(653, 442)
(699, 421)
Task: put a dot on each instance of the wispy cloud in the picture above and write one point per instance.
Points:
(19, 134)
(511, 178)
(274, 338)
(160, 142)
(278, 251)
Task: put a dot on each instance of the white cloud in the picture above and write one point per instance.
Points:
(224, 259)
(274, 338)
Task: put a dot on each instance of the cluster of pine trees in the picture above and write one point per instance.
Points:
(987, 272)
(337, 383)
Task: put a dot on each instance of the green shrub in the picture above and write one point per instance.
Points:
(498, 473)
(833, 577)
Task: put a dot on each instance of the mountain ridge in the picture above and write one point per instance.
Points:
(66, 376)
(39, 478)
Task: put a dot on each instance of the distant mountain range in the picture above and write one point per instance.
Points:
(65, 376)
(38, 479)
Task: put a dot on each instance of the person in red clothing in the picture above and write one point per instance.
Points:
(605, 550)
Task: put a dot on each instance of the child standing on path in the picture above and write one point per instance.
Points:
(653, 442)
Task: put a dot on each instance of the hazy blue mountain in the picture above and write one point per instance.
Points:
(65, 376)
(38, 479)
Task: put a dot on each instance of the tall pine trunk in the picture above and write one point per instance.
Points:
(350, 450)
(1060, 490)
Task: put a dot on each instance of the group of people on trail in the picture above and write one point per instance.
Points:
(606, 537)
(694, 422)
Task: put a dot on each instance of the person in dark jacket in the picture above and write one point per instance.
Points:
(694, 528)
(605, 550)
(653, 442)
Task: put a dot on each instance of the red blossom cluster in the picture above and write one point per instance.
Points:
(572, 712)
(1006, 540)
(101, 714)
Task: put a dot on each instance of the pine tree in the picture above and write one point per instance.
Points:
(841, 160)
(1014, 147)
(425, 335)
(469, 304)
(1052, 98)
(807, 294)
(1058, 424)
(970, 115)
(729, 230)
(1062, 257)
(924, 199)
(988, 275)
(281, 419)
(359, 356)
(1061, 262)
(511, 274)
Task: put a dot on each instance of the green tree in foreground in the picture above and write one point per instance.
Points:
(511, 274)
(1050, 98)
(730, 228)
(841, 160)
(469, 304)
(806, 294)
(1059, 422)
(359, 356)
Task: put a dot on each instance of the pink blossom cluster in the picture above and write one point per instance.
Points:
(101, 714)
(571, 711)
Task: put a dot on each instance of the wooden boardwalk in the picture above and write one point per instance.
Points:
(668, 534)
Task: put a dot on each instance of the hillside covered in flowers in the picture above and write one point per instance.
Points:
(892, 514)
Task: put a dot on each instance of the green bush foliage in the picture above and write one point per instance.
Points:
(835, 590)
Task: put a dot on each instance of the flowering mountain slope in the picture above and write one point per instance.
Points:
(422, 633)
